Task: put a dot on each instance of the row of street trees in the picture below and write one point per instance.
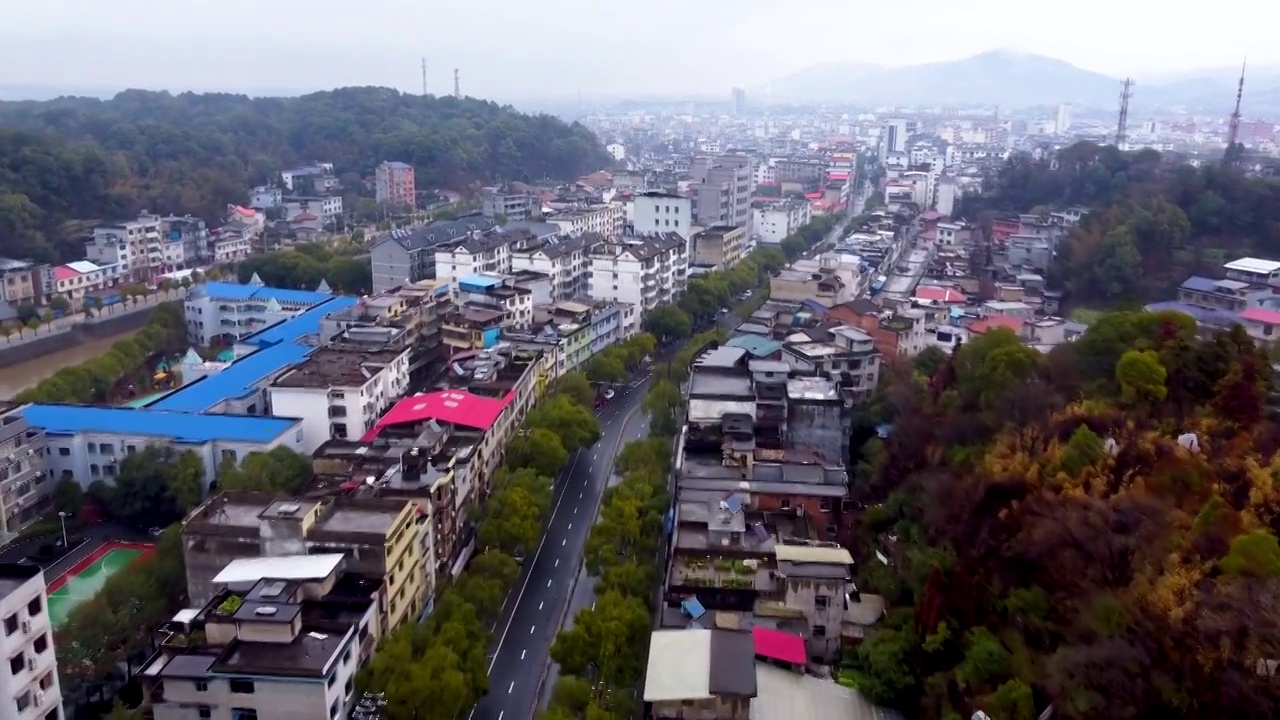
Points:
(617, 362)
(93, 380)
(437, 669)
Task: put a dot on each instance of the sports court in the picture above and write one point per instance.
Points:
(84, 579)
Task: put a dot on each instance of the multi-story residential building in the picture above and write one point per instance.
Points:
(563, 259)
(829, 279)
(133, 247)
(325, 207)
(515, 202)
(497, 293)
(798, 170)
(281, 639)
(229, 243)
(411, 315)
(187, 241)
(320, 175)
(19, 283)
(265, 197)
(721, 191)
(340, 391)
(657, 211)
(486, 253)
(773, 221)
(29, 682)
(719, 247)
(894, 137)
(75, 279)
(608, 220)
(88, 443)
(231, 311)
(394, 185)
(26, 487)
(405, 256)
(376, 536)
(644, 271)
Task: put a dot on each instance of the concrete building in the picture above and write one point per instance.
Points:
(830, 279)
(739, 101)
(644, 271)
(19, 284)
(233, 312)
(496, 293)
(607, 220)
(657, 211)
(405, 256)
(317, 173)
(894, 138)
(26, 486)
(324, 207)
(798, 170)
(411, 315)
(29, 681)
(340, 392)
(281, 639)
(506, 201)
(133, 247)
(394, 185)
(76, 279)
(721, 191)
(719, 247)
(562, 259)
(88, 443)
(377, 537)
(773, 221)
(488, 253)
(1062, 120)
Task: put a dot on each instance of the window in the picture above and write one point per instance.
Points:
(786, 503)
(41, 644)
(64, 452)
(346, 656)
(350, 687)
(16, 663)
(819, 631)
(333, 710)
(244, 714)
(46, 682)
(11, 624)
(24, 701)
(202, 686)
(204, 711)
(821, 602)
(241, 686)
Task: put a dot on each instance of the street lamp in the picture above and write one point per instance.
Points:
(62, 517)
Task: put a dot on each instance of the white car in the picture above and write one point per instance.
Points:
(608, 394)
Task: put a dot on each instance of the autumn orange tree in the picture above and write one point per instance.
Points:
(1093, 529)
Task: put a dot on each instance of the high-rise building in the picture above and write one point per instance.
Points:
(29, 682)
(1062, 122)
(739, 101)
(895, 137)
(395, 185)
(721, 191)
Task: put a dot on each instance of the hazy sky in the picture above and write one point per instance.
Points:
(513, 49)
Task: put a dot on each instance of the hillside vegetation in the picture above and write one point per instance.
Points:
(1155, 220)
(1095, 528)
(84, 159)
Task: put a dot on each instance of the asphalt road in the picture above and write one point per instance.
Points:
(532, 617)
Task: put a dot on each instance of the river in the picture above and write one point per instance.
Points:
(16, 378)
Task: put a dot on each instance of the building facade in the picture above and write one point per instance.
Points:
(719, 247)
(658, 212)
(405, 256)
(394, 185)
(644, 271)
(26, 487)
(29, 681)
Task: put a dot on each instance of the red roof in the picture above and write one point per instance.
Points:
(996, 321)
(838, 175)
(62, 272)
(457, 407)
(1262, 315)
(813, 195)
(778, 645)
(939, 294)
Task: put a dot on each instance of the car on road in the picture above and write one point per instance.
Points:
(609, 393)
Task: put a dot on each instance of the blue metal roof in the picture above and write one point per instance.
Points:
(1195, 283)
(754, 344)
(181, 427)
(483, 281)
(239, 379)
(235, 291)
(816, 306)
(306, 323)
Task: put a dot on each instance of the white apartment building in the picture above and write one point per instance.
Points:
(316, 170)
(607, 220)
(325, 207)
(29, 681)
(213, 309)
(643, 271)
(562, 259)
(660, 212)
(133, 246)
(774, 221)
(489, 253)
(263, 197)
(75, 279)
(230, 243)
(763, 173)
(340, 393)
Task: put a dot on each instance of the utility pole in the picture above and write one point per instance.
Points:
(1122, 123)
(457, 88)
(1231, 158)
(424, 76)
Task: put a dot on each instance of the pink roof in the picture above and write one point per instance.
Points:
(778, 645)
(62, 272)
(996, 321)
(244, 210)
(1262, 315)
(457, 407)
(813, 195)
(939, 294)
(838, 175)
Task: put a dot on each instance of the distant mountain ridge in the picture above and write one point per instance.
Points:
(1015, 80)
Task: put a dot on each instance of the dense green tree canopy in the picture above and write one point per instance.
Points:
(79, 160)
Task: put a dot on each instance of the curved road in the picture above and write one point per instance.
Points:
(532, 618)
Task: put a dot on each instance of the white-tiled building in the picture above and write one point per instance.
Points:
(563, 259)
(772, 222)
(29, 680)
(657, 212)
(133, 246)
(489, 253)
(643, 271)
(607, 220)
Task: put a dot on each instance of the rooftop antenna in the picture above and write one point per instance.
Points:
(424, 76)
(1122, 124)
(1231, 158)
(457, 89)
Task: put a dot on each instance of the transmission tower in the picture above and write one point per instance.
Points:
(457, 88)
(1231, 158)
(424, 76)
(1122, 123)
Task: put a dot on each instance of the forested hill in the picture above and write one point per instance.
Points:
(87, 159)
(1155, 220)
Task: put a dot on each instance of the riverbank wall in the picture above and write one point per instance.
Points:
(63, 338)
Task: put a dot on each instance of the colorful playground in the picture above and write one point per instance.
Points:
(84, 579)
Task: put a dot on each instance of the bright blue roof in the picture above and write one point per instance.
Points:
(235, 291)
(239, 379)
(483, 281)
(816, 306)
(754, 344)
(306, 323)
(182, 427)
(1195, 283)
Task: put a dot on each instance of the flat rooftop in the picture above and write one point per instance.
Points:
(284, 296)
(329, 367)
(309, 654)
(15, 575)
(358, 520)
(713, 385)
(180, 427)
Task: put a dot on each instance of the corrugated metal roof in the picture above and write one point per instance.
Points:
(283, 567)
(179, 426)
(812, 554)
